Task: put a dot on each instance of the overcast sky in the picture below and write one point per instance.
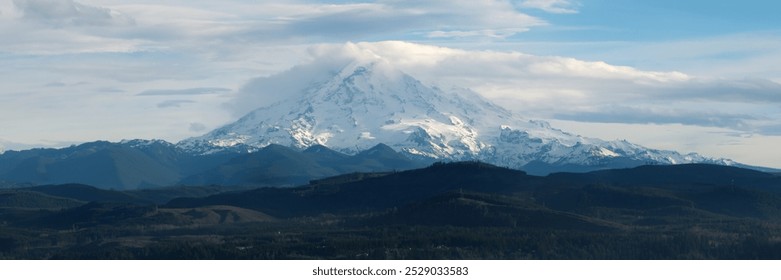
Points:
(692, 76)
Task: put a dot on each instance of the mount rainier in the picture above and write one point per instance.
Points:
(360, 103)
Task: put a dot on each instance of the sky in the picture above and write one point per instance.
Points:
(692, 76)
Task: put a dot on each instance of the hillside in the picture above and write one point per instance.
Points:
(461, 210)
(740, 192)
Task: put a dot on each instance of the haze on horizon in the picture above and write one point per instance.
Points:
(699, 76)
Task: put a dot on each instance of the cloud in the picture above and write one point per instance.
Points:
(197, 127)
(660, 115)
(266, 91)
(110, 90)
(56, 84)
(735, 55)
(544, 86)
(65, 26)
(164, 25)
(59, 13)
(450, 62)
(355, 21)
(503, 33)
(552, 6)
(530, 77)
(189, 91)
(15, 146)
(774, 129)
(173, 103)
(232, 34)
(736, 90)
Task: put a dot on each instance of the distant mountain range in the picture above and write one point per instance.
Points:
(155, 163)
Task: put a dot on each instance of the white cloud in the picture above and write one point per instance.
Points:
(173, 103)
(461, 18)
(116, 26)
(552, 6)
(732, 56)
(502, 33)
(197, 127)
(572, 89)
(411, 56)
(615, 113)
(265, 91)
(14, 146)
(189, 91)
(64, 26)
(59, 13)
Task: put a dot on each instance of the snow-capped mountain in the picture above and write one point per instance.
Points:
(363, 103)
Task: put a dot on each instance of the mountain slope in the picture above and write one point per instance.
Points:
(154, 163)
(87, 193)
(96, 163)
(488, 195)
(276, 165)
(369, 193)
(363, 103)
(678, 176)
(125, 165)
(21, 198)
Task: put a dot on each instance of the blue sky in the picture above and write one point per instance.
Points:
(602, 20)
(600, 23)
(693, 76)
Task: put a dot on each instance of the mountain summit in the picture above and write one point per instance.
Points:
(361, 103)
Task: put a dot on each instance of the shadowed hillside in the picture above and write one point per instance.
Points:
(462, 210)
